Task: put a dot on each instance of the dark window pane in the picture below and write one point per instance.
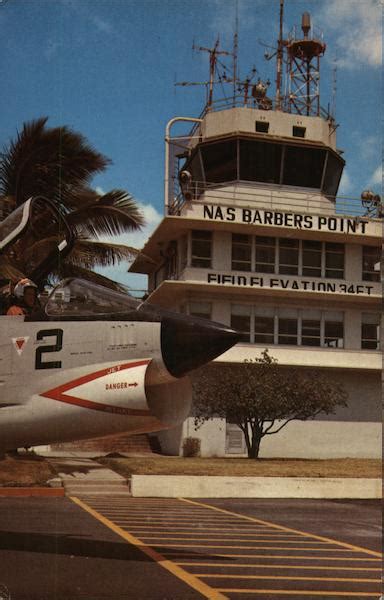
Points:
(370, 331)
(334, 260)
(220, 162)
(201, 249)
(333, 174)
(371, 263)
(298, 131)
(310, 332)
(262, 126)
(242, 323)
(288, 256)
(260, 161)
(264, 327)
(334, 334)
(303, 166)
(265, 254)
(287, 331)
(241, 252)
(312, 258)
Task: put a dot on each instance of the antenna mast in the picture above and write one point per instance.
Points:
(213, 54)
(235, 52)
(279, 59)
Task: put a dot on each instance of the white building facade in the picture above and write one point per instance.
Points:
(255, 238)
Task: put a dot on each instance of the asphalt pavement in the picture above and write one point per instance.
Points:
(167, 549)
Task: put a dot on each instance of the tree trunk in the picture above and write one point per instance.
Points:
(253, 451)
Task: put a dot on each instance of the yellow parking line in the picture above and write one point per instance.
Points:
(282, 528)
(266, 566)
(299, 592)
(287, 557)
(344, 579)
(257, 536)
(197, 538)
(166, 520)
(150, 525)
(170, 566)
(254, 548)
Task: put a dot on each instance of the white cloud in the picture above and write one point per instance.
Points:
(377, 177)
(135, 239)
(101, 24)
(346, 184)
(358, 27)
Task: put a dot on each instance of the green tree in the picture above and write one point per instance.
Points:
(58, 163)
(262, 397)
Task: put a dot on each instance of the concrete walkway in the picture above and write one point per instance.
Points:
(83, 476)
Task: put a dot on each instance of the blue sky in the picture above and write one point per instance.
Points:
(107, 68)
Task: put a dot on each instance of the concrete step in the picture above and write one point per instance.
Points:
(100, 490)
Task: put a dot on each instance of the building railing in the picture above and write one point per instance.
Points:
(228, 193)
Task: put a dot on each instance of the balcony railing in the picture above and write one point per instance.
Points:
(245, 194)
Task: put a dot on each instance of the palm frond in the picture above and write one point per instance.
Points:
(112, 214)
(48, 162)
(10, 271)
(71, 270)
(90, 254)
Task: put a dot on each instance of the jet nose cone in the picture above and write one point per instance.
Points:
(188, 343)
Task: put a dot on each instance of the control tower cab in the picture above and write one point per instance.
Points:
(265, 156)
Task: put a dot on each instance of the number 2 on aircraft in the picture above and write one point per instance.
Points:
(54, 347)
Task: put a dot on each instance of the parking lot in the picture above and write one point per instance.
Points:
(105, 547)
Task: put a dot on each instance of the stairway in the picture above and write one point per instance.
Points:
(83, 477)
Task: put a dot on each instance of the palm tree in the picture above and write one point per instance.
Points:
(58, 163)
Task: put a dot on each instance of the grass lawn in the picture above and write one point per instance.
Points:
(24, 471)
(237, 467)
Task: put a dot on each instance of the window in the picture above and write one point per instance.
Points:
(335, 165)
(183, 247)
(298, 131)
(371, 263)
(288, 327)
(312, 258)
(303, 167)
(260, 161)
(288, 256)
(200, 309)
(241, 321)
(241, 252)
(264, 325)
(334, 330)
(262, 126)
(334, 260)
(265, 254)
(370, 331)
(220, 161)
(311, 328)
(201, 249)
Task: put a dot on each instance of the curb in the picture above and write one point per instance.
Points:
(192, 486)
(27, 492)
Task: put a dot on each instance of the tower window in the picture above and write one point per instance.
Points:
(370, 331)
(371, 263)
(262, 126)
(298, 131)
(201, 249)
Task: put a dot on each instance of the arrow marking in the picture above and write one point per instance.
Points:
(60, 393)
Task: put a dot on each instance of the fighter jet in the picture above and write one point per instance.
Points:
(91, 361)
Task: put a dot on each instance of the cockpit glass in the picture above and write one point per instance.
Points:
(11, 224)
(79, 298)
(33, 237)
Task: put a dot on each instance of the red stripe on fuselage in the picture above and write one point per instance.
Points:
(58, 393)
